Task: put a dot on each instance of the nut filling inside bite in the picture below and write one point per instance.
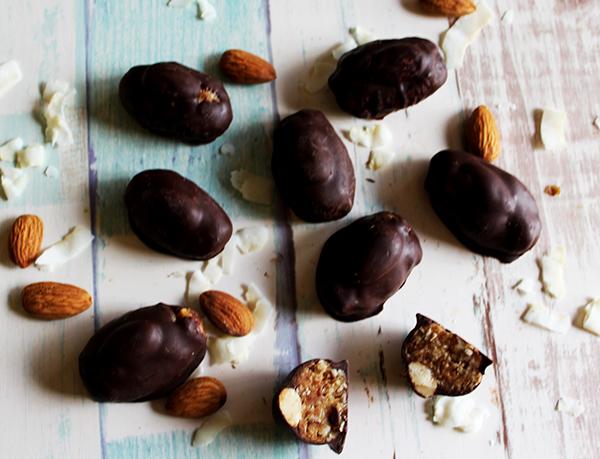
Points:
(313, 403)
(439, 362)
(323, 394)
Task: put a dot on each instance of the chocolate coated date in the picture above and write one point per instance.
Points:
(312, 168)
(170, 99)
(364, 264)
(143, 355)
(487, 209)
(172, 214)
(384, 76)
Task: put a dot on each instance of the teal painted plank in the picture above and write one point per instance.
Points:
(247, 441)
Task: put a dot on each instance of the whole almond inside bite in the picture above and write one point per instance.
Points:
(227, 313)
(482, 134)
(439, 362)
(451, 8)
(244, 67)
(25, 240)
(197, 397)
(52, 300)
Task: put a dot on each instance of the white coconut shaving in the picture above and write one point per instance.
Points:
(208, 431)
(544, 317)
(10, 75)
(462, 33)
(13, 182)
(10, 149)
(460, 413)
(75, 242)
(32, 156)
(253, 187)
(57, 131)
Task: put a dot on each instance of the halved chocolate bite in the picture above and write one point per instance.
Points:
(173, 100)
(438, 362)
(488, 210)
(312, 402)
(311, 167)
(383, 76)
(362, 265)
(143, 355)
(173, 215)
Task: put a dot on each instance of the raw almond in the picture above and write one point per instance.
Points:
(243, 67)
(25, 240)
(482, 134)
(197, 397)
(52, 300)
(451, 8)
(227, 313)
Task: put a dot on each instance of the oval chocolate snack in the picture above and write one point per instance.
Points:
(384, 76)
(173, 215)
(143, 355)
(362, 265)
(488, 210)
(312, 403)
(172, 100)
(311, 167)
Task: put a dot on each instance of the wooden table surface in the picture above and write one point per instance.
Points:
(549, 56)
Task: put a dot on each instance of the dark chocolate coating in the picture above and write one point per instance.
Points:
(312, 168)
(143, 355)
(172, 100)
(384, 76)
(291, 381)
(364, 264)
(490, 211)
(172, 214)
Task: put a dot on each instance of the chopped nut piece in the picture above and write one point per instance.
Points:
(313, 403)
(438, 362)
(552, 190)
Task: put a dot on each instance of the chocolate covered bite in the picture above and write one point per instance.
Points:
(311, 167)
(143, 355)
(362, 265)
(312, 403)
(438, 362)
(490, 211)
(384, 76)
(173, 215)
(173, 100)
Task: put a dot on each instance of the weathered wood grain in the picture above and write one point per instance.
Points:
(548, 56)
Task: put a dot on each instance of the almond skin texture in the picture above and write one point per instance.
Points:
(227, 313)
(25, 240)
(52, 300)
(243, 67)
(482, 134)
(197, 397)
(451, 8)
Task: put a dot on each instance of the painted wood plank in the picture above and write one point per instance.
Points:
(547, 56)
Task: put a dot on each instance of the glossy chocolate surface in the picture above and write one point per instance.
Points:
(172, 100)
(490, 211)
(362, 265)
(384, 76)
(143, 355)
(172, 214)
(312, 168)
